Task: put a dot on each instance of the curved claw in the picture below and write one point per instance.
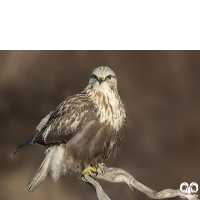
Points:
(90, 170)
(101, 165)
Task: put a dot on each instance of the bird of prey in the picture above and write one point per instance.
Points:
(82, 132)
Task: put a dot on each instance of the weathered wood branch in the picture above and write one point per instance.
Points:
(118, 175)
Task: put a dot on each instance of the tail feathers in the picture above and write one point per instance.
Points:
(29, 142)
(42, 172)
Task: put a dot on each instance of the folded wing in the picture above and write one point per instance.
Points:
(69, 118)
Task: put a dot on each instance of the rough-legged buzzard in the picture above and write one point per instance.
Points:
(83, 130)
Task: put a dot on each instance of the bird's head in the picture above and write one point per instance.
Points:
(103, 78)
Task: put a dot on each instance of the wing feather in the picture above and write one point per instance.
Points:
(69, 118)
(43, 122)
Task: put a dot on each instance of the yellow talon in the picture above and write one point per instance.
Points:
(101, 166)
(89, 170)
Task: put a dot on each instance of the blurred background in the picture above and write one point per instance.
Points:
(161, 93)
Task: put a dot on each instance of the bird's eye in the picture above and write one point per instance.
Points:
(94, 77)
(108, 77)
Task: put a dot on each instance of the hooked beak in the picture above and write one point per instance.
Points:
(100, 79)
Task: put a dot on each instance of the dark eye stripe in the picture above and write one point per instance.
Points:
(109, 77)
(94, 76)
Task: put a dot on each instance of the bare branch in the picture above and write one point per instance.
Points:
(118, 175)
(99, 191)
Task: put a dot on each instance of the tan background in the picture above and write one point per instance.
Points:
(161, 93)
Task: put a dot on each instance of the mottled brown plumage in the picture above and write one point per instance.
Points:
(83, 130)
